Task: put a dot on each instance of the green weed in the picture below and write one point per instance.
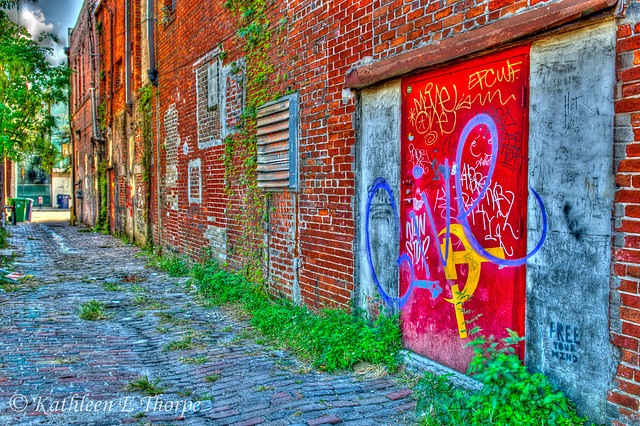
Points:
(180, 345)
(197, 360)
(4, 238)
(212, 378)
(166, 317)
(92, 310)
(510, 395)
(175, 266)
(145, 385)
(136, 288)
(331, 340)
(70, 360)
(156, 306)
(112, 287)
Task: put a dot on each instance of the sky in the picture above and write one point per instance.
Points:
(55, 16)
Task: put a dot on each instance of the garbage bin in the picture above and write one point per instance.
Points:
(21, 208)
(27, 216)
(63, 201)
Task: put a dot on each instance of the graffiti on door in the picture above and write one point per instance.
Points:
(462, 215)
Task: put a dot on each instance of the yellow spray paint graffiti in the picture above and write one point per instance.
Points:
(471, 258)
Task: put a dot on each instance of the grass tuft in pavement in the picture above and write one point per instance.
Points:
(145, 385)
(330, 339)
(92, 311)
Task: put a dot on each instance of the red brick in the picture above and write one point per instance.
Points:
(475, 12)
(623, 181)
(626, 342)
(397, 41)
(629, 75)
(630, 301)
(629, 314)
(626, 372)
(620, 269)
(630, 43)
(633, 149)
(629, 357)
(629, 387)
(442, 13)
(632, 241)
(453, 20)
(632, 226)
(629, 165)
(630, 90)
(624, 31)
(627, 196)
(623, 400)
(632, 211)
(628, 286)
(497, 4)
(633, 271)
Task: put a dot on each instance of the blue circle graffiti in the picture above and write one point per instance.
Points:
(380, 183)
(462, 215)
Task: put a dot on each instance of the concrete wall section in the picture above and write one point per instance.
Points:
(60, 184)
(572, 79)
(378, 160)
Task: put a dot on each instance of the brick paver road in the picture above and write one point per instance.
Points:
(56, 369)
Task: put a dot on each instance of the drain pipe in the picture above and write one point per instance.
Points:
(152, 72)
(127, 52)
(158, 193)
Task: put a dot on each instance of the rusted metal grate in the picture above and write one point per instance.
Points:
(277, 144)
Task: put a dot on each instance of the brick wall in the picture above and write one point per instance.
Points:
(310, 233)
(80, 107)
(625, 302)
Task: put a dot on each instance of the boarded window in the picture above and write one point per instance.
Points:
(278, 144)
(117, 74)
(212, 85)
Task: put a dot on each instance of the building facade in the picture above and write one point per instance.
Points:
(86, 149)
(465, 163)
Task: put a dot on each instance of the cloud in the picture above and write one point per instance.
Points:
(36, 23)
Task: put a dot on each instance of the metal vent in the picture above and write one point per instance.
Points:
(277, 144)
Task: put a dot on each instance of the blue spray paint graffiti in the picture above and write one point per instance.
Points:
(462, 217)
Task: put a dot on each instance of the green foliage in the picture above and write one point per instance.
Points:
(180, 345)
(331, 339)
(112, 287)
(102, 112)
(92, 310)
(103, 217)
(29, 86)
(212, 378)
(175, 266)
(124, 238)
(247, 202)
(4, 238)
(145, 385)
(197, 360)
(510, 395)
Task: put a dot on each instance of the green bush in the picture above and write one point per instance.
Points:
(510, 395)
(331, 339)
(175, 266)
(4, 238)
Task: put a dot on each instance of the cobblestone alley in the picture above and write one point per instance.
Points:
(58, 369)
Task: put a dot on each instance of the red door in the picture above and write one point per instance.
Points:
(464, 177)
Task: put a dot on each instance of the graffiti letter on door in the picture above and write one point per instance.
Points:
(463, 204)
